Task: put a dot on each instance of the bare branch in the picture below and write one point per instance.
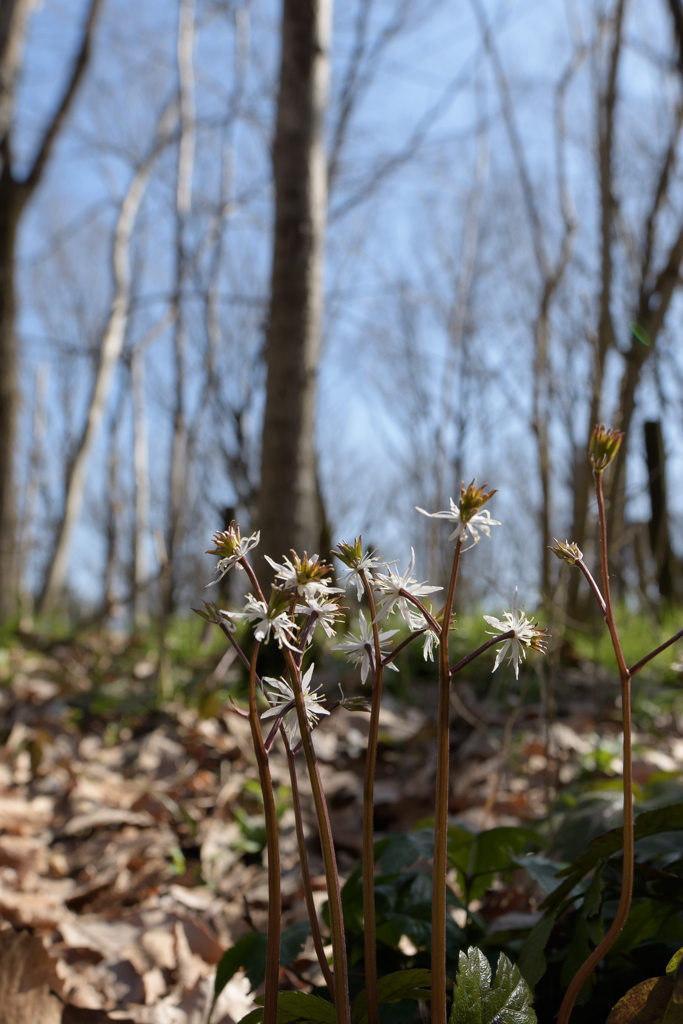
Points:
(52, 131)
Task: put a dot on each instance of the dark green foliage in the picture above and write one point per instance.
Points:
(477, 1001)
(249, 953)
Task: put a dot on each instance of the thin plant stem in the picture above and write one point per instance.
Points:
(369, 927)
(274, 899)
(305, 872)
(603, 948)
(653, 654)
(397, 650)
(301, 842)
(341, 989)
(433, 624)
(480, 650)
(438, 1003)
(593, 585)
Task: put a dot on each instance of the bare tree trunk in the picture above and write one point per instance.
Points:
(33, 485)
(110, 353)
(288, 500)
(604, 340)
(10, 211)
(141, 465)
(179, 462)
(14, 194)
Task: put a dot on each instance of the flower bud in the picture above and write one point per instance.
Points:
(567, 551)
(604, 446)
(471, 500)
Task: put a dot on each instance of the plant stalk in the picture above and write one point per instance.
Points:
(305, 873)
(341, 989)
(274, 899)
(480, 650)
(369, 926)
(603, 948)
(438, 1003)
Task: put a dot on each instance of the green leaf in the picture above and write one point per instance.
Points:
(295, 1006)
(476, 1001)
(646, 1003)
(253, 1017)
(291, 941)
(541, 870)
(477, 858)
(532, 961)
(674, 962)
(249, 952)
(411, 984)
(663, 819)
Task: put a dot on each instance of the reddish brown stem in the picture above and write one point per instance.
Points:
(274, 900)
(603, 948)
(305, 873)
(653, 654)
(341, 989)
(369, 927)
(480, 650)
(438, 1003)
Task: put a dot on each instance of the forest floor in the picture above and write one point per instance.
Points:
(130, 836)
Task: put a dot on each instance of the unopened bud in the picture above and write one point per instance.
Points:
(472, 499)
(567, 552)
(604, 446)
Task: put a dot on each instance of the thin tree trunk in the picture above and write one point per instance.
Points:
(179, 462)
(110, 352)
(33, 485)
(142, 491)
(288, 500)
(10, 211)
(14, 194)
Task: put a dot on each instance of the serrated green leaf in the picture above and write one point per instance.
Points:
(297, 1006)
(410, 984)
(476, 1001)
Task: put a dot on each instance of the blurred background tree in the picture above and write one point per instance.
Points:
(245, 291)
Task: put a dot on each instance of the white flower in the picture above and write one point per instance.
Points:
(325, 610)
(266, 621)
(361, 650)
(366, 564)
(283, 696)
(430, 641)
(479, 521)
(526, 634)
(392, 584)
(242, 546)
(289, 574)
